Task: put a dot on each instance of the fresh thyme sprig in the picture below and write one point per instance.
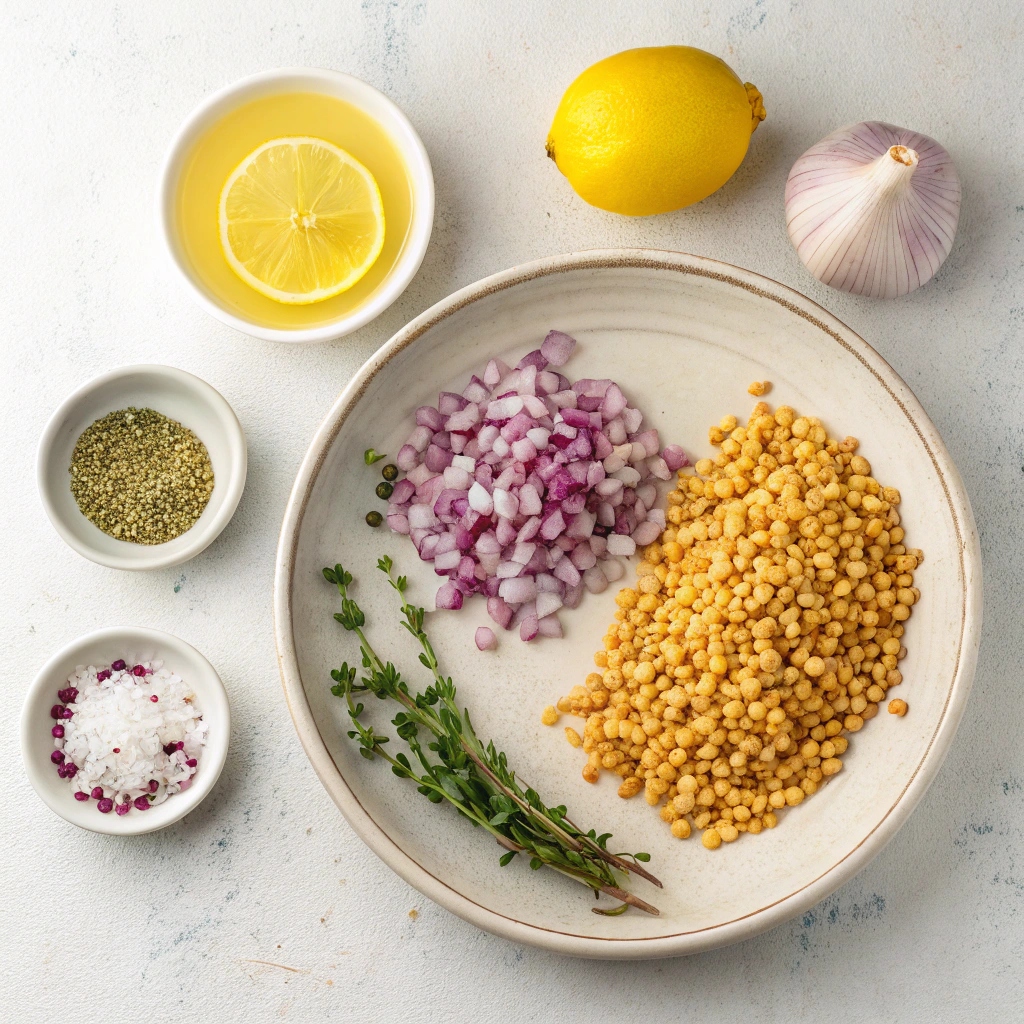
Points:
(454, 765)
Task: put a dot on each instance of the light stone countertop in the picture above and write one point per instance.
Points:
(263, 905)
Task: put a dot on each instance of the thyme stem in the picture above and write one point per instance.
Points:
(460, 769)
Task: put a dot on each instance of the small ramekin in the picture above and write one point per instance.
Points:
(331, 83)
(101, 649)
(179, 396)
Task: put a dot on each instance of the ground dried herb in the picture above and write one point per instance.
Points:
(141, 477)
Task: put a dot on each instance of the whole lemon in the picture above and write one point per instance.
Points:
(654, 129)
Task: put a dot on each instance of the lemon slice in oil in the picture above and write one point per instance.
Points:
(301, 220)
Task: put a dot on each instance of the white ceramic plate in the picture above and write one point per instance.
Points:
(684, 336)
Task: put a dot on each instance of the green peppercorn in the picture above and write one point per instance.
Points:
(384, 490)
(374, 519)
(390, 472)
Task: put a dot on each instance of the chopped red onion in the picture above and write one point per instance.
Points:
(619, 544)
(529, 628)
(549, 625)
(646, 533)
(526, 488)
(485, 639)
(518, 590)
(449, 597)
(499, 611)
(595, 580)
(407, 458)
(675, 457)
(557, 347)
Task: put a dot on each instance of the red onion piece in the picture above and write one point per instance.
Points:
(675, 458)
(428, 416)
(529, 628)
(526, 487)
(557, 348)
(548, 603)
(476, 390)
(403, 492)
(449, 597)
(436, 459)
(398, 523)
(485, 639)
(646, 533)
(619, 544)
(631, 420)
(550, 626)
(659, 468)
(518, 590)
(407, 458)
(449, 403)
(595, 580)
(500, 611)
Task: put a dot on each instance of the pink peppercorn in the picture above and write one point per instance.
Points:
(191, 762)
(79, 795)
(123, 808)
(154, 698)
(139, 670)
(118, 666)
(105, 806)
(58, 731)
(142, 803)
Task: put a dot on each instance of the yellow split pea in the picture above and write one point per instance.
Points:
(764, 627)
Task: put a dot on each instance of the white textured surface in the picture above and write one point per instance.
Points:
(197, 921)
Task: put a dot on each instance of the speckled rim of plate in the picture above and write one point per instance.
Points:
(696, 940)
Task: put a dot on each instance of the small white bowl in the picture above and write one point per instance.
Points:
(179, 396)
(133, 644)
(331, 83)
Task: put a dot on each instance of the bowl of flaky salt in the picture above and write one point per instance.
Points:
(125, 730)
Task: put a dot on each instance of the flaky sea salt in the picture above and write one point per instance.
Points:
(127, 736)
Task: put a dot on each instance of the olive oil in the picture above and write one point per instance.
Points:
(229, 141)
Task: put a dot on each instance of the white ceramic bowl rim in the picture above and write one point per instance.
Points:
(684, 942)
(213, 703)
(201, 535)
(406, 138)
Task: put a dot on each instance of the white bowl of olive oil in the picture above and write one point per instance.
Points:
(294, 105)
(195, 411)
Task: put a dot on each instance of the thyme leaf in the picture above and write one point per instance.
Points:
(449, 763)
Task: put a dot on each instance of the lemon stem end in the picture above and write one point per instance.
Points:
(756, 101)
